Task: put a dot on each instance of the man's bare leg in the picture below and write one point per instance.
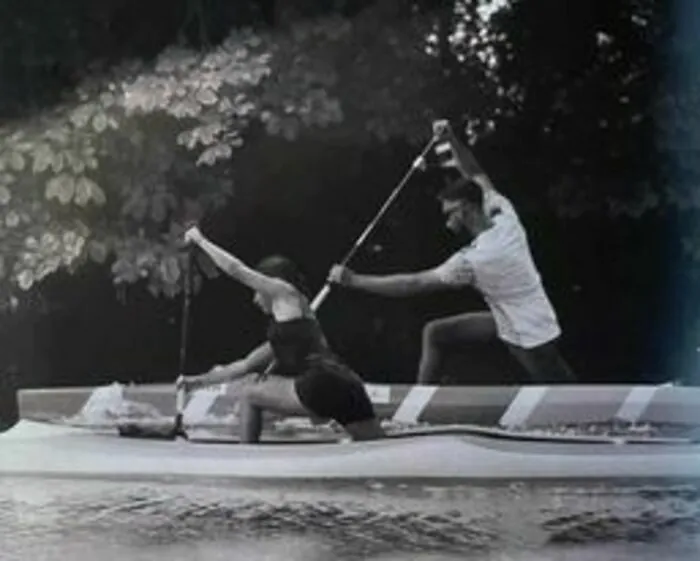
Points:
(442, 335)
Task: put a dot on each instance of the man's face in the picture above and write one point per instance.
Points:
(453, 211)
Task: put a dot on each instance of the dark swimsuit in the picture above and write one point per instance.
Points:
(324, 385)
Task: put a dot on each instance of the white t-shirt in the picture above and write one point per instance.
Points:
(498, 264)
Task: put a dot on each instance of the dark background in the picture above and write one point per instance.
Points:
(623, 288)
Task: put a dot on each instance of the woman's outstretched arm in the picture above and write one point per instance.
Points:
(234, 267)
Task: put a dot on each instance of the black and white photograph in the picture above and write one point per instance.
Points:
(354, 280)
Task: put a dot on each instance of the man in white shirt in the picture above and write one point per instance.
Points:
(497, 263)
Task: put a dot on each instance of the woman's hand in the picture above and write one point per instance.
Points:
(188, 383)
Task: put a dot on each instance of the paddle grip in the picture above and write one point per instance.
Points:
(180, 400)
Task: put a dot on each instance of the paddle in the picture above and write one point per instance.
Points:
(177, 429)
(170, 432)
(417, 164)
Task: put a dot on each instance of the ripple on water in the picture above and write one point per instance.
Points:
(42, 519)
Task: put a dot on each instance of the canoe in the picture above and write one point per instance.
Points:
(500, 406)
(443, 453)
(439, 433)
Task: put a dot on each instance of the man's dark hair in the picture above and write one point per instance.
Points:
(462, 189)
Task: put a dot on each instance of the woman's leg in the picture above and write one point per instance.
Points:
(251, 422)
(441, 335)
(331, 390)
(256, 394)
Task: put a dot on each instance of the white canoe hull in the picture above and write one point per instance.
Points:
(37, 449)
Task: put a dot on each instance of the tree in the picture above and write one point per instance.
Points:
(136, 154)
(119, 169)
(584, 77)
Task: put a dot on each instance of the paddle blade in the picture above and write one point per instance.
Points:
(153, 431)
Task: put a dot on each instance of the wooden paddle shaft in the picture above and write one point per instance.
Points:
(417, 163)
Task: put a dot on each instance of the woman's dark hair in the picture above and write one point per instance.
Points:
(280, 267)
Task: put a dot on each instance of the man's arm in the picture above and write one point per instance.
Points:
(464, 159)
(454, 273)
(404, 284)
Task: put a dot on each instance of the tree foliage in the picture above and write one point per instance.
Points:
(117, 171)
(587, 78)
(566, 94)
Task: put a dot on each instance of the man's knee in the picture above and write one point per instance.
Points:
(436, 333)
(429, 333)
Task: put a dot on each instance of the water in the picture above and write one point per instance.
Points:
(93, 520)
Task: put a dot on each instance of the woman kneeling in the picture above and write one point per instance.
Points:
(307, 378)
